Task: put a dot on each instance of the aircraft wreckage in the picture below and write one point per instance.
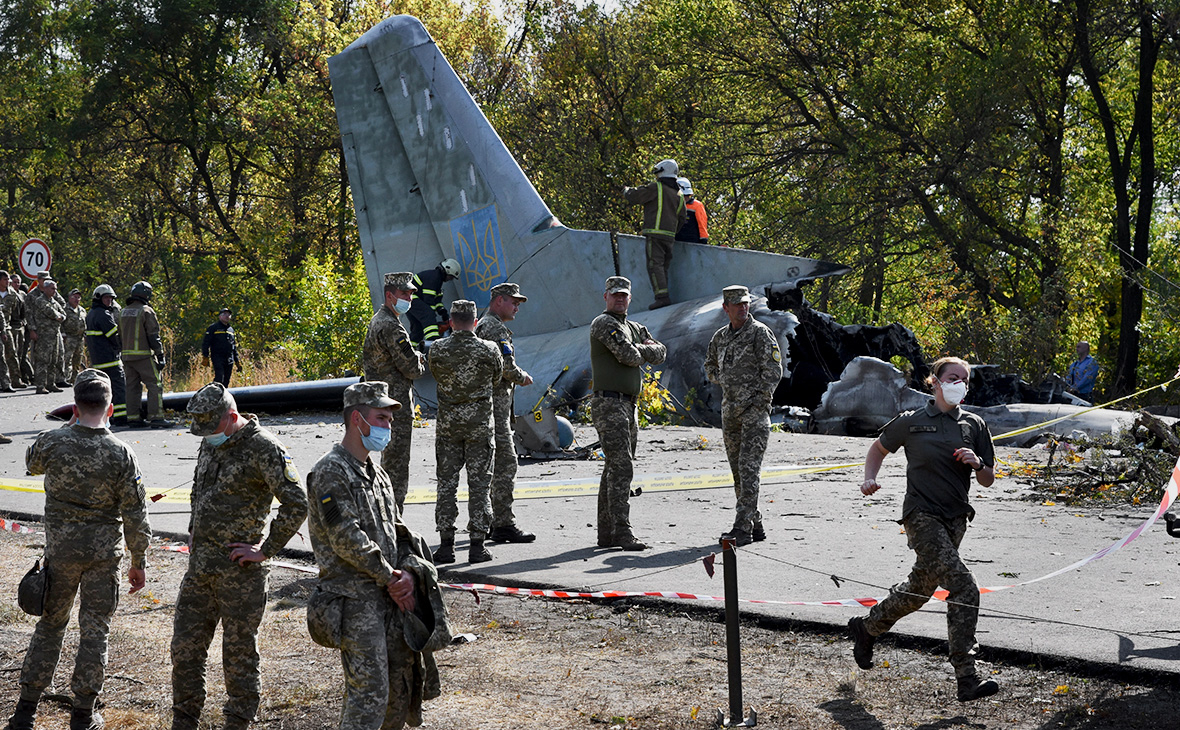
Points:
(431, 179)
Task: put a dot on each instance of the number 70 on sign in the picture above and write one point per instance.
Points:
(34, 257)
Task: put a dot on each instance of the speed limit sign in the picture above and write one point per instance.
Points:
(34, 257)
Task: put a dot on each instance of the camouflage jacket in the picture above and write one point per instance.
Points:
(466, 369)
(353, 521)
(389, 356)
(92, 489)
(45, 315)
(233, 487)
(14, 308)
(746, 363)
(493, 329)
(75, 324)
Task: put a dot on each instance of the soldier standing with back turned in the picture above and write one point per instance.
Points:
(92, 489)
(618, 347)
(241, 468)
(744, 359)
(505, 302)
(143, 357)
(466, 370)
(390, 358)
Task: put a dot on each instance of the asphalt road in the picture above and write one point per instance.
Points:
(1117, 611)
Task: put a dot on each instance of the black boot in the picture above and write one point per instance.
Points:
(862, 647)
(970, 688)
(22, 718)
(85, 718)
(446, 550)
(477, 553)
(511, 533)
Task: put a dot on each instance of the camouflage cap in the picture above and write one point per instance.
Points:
(207, 406)
(616, 284)
(75, 291)
(736, 294)
(463, 307)
(401, 280)
(42, 274)
(508, 289)
(90, 374)
(372, 393)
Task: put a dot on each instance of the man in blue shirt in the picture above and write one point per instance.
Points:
(1082, 373)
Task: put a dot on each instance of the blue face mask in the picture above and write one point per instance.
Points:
(216, 439)
(378, 437)
(401, 306)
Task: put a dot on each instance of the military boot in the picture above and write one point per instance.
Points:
(477, 553)
(759, 533)
(446, 550)
(510, 533)
(233, 722)
(22, 718)
(862, 646)
(970, 688)
(660, 302)
(85, 718)
(630, 543)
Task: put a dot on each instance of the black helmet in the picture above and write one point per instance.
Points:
(30, 594)
(141, 290)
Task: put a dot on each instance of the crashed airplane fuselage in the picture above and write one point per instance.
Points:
(431, 179)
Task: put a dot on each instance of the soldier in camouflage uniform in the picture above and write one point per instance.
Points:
(618, 347)
(241, 468)
(944, 445)
(745, 360)
(362, 549)
(72, 334)
(92, 489)
(5, 337)
(390, 358)
(466, 370)
(505, 302)
(45, 319)
(11, 305)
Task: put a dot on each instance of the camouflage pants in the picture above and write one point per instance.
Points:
(118, 389)
(143, 372)
(47, 354)
(746, 434)
(395, 458)
(659, 260)
(617, 423)
(237, 599)
(72, 363)
(475, 451)
(98, 583)
(5, 381)
(23, 347)
(936, 543)
(504, 467)
(378, 666)
(12, 356)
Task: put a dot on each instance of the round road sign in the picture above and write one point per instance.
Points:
(34, 257)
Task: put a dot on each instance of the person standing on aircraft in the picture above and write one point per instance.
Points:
(466, 370)
(429, 319)
(944, 447)
(506, 301)
(389, 358)
(696, 225)
(663, 215)
(618, 347)
(221, 342)
(104, 346)
(744, 359)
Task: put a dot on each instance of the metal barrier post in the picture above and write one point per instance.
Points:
(733, 641)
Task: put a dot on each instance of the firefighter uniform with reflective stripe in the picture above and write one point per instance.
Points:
(663, 215)
(140, 331)
(426, 309)
(103, 344)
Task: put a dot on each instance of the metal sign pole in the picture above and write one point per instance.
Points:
(733, 641)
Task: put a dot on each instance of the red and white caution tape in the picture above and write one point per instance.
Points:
(10, 526)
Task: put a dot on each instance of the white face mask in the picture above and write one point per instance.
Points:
(953, 393)
(401, 306)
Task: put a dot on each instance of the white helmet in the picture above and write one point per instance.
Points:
(666, 168)
(451, 267)
(685, 186)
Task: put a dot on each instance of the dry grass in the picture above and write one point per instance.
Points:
(570, 665)
(266, 369)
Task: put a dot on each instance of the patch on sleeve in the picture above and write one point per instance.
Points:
(330, 509)
(505, 347)
(289, 470)
(967, 431)
(923, 429)
(405, 346)
(139, 488)
(774, 352)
